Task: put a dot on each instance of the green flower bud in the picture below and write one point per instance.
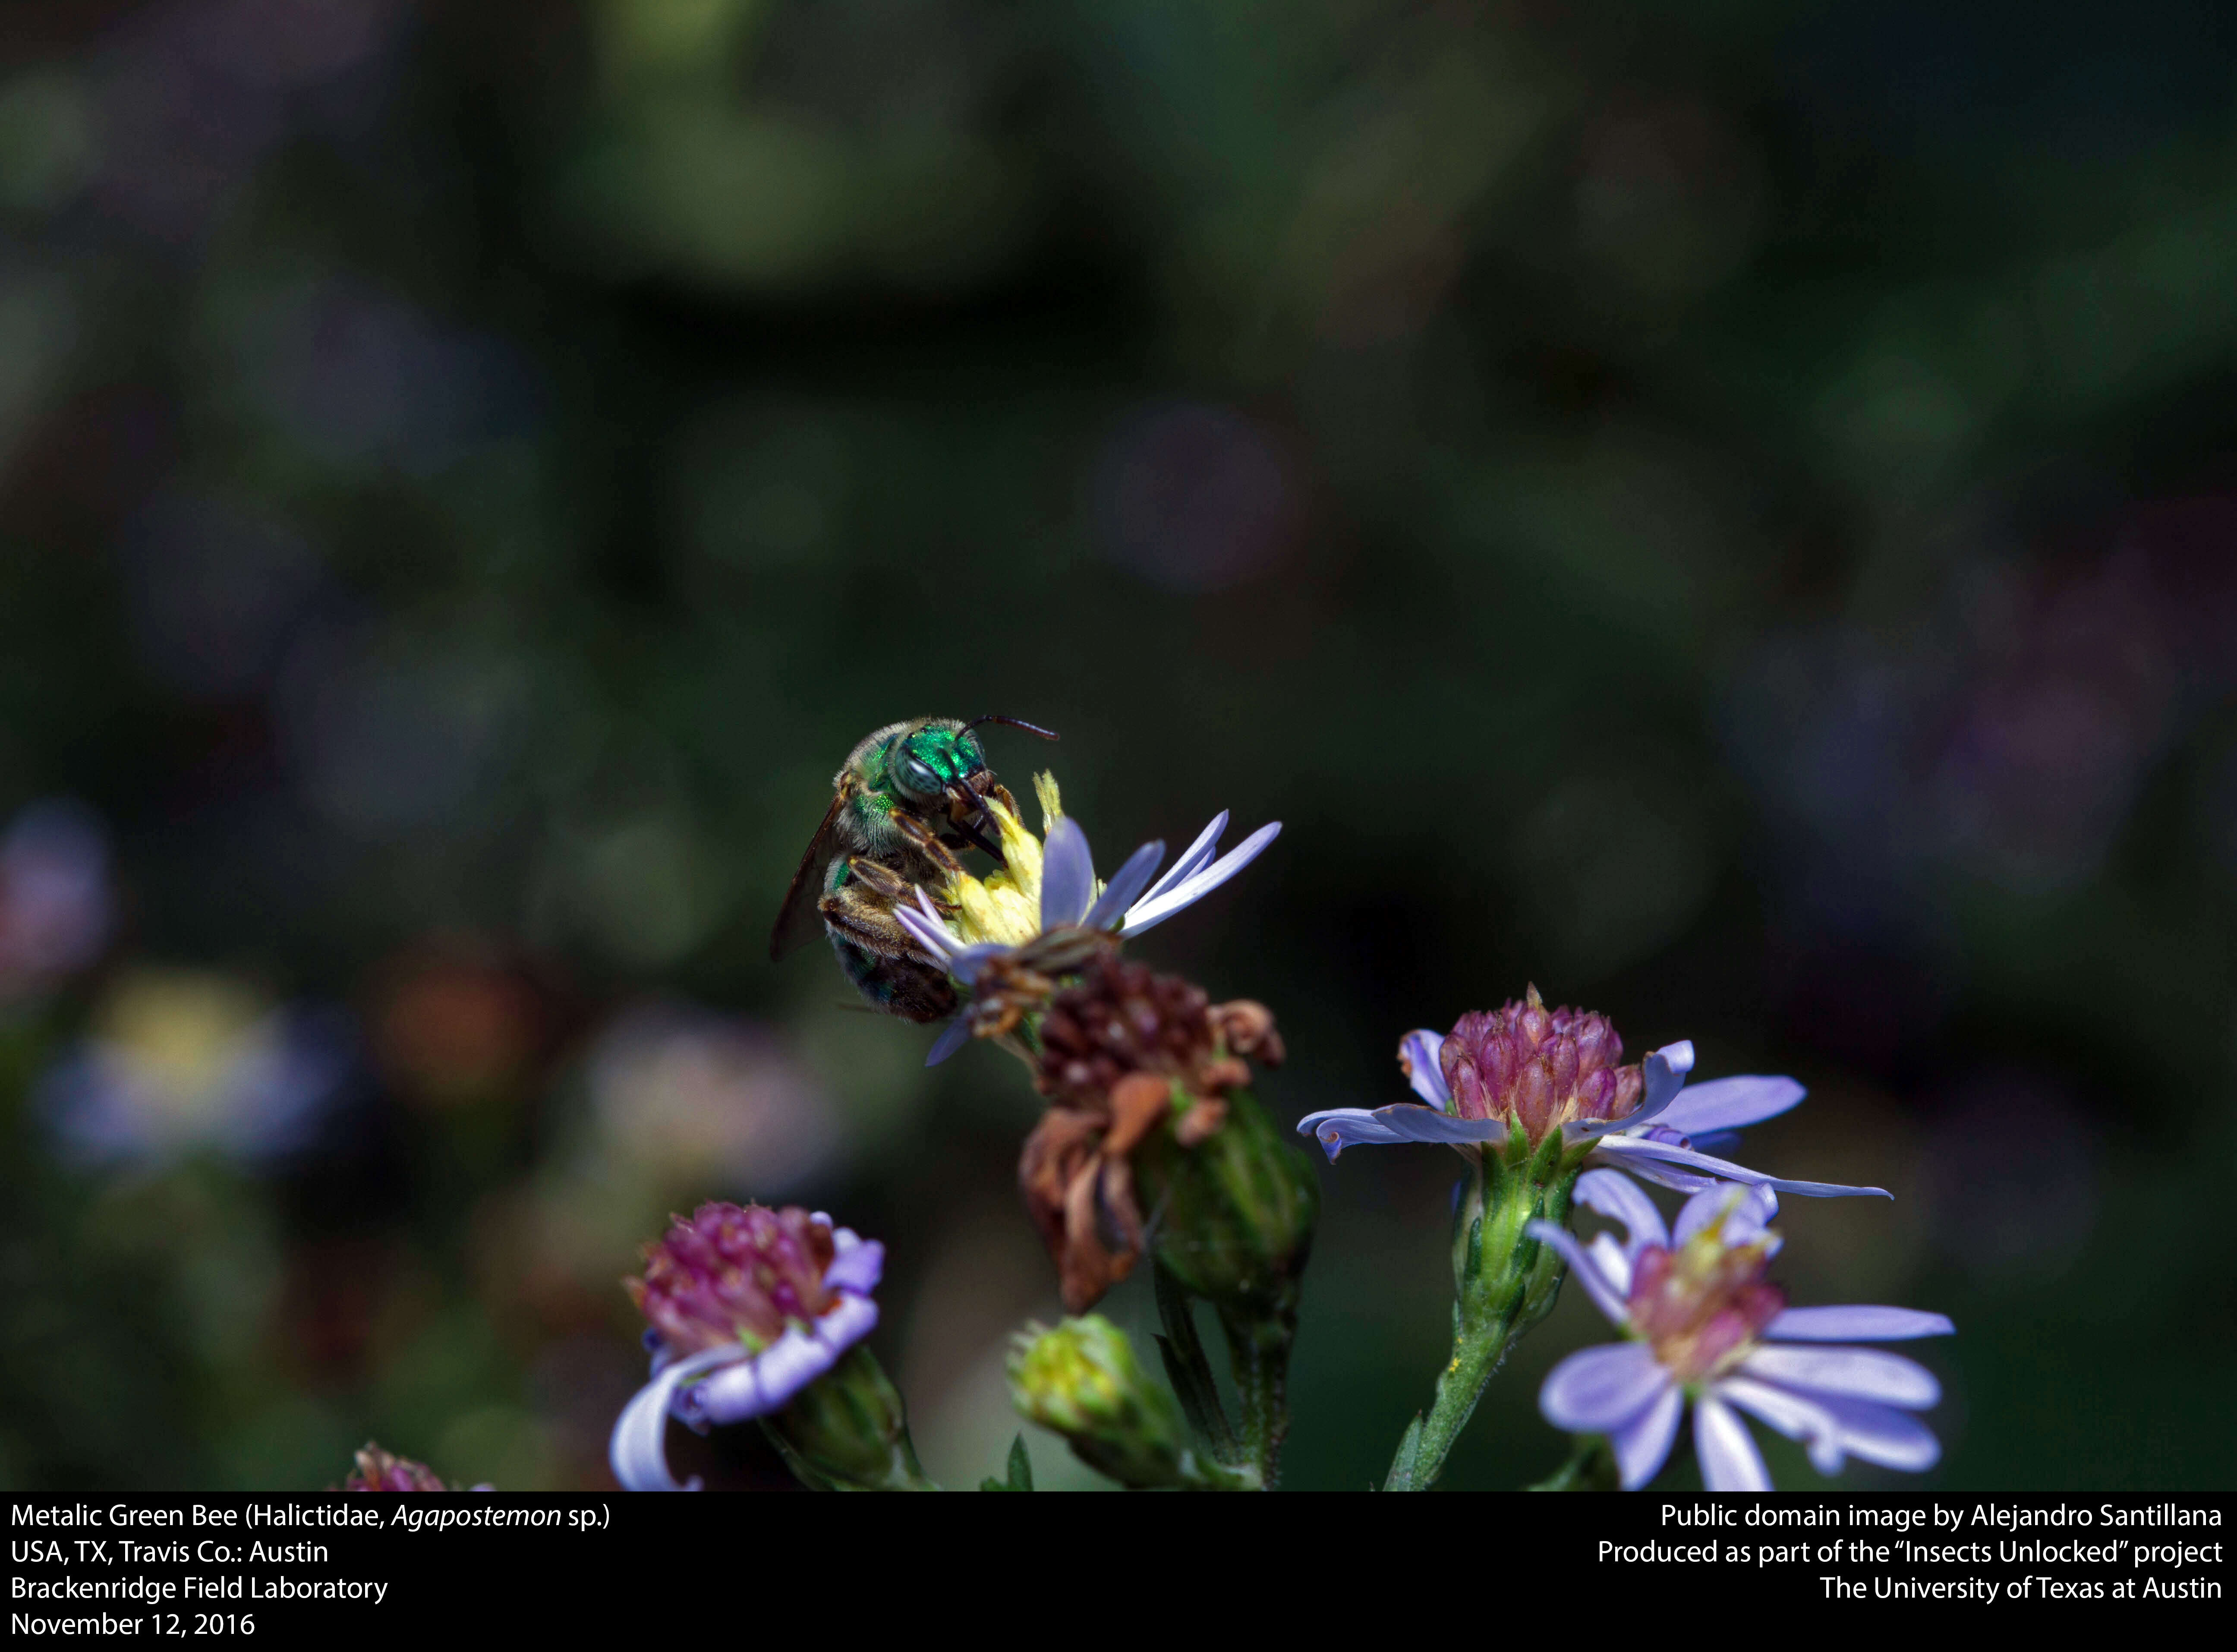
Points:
(1239, 1209)
(1081, 1380)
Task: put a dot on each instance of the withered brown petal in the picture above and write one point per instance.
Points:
(1138, 1102)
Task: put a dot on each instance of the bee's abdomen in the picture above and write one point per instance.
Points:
(899, 986)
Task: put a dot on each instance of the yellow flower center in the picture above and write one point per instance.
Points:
(1004, 908)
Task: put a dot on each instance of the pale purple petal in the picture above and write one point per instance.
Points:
(1857, 1324)
(1417, 1060)
(1620, 1200)
(1613, 1265)
(1665, 1071)
(1597, 1390)
(1807, 1420)
(1606, 1290)
(857, 1266)
(1860, 1373)
(768, 1382)
(1194, 856)
(1835, 1427)
(1194, 888)
(953, 1037)
(1337, 1128)
(1730, 1104)
(638, 1452)
(927, 932)
(1739, 1213)
(1629, 1150)
(845, 1323)
(1068, 873)
(967, 962)
(1670, 1176)
(1126, 883)
(1642, 1445)
(1729, 1459)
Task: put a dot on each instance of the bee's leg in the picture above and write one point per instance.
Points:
(888, 887)
(861, 909)
(876, 878)
(883, 959)
(921, 838)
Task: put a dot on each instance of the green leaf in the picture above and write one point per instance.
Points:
(1021, 1470)
(1189, 1371)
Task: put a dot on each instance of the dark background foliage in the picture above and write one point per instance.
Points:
(1725, 511)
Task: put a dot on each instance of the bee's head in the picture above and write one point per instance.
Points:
(936, 764)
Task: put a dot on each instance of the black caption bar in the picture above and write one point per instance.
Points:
(239, 1566)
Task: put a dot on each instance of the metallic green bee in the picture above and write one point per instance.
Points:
(907, 799)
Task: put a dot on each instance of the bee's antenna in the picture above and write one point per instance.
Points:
(1030, 728)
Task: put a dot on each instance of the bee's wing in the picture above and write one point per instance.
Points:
(797, 920)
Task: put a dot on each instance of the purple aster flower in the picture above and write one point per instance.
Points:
(1706, 1327)
(1530, 1070)
(993, 924)
(179, 1062)
(56, 906)
(749, 1305)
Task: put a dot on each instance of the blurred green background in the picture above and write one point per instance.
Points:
(1728, 512)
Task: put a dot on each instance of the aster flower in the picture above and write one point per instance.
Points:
(1528, 1070)
(1041, 914)
(1705, 1327)
(748, 1307)
(381, 1470)
(178, 1061)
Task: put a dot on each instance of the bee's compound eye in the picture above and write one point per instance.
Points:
(916, 776)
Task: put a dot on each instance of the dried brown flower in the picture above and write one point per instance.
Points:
(1123, 1051)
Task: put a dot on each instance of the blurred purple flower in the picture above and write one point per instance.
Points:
(1705, 1326)
(1528, 1068)
(693, 1093)
(749, 1305)
(2007, 729)
(54, 904)
(181, 1061)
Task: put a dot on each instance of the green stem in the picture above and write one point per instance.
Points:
(1422, 1454)
(1258, 1352)
(1504, 1283)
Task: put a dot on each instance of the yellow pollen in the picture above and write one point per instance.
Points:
(1004, 908)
